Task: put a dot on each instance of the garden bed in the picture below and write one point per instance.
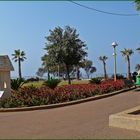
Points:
(33, 96)
(51, 106)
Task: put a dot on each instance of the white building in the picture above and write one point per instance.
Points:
(5, 79)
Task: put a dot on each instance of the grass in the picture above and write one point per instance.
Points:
(40, 83)
(74, 82)
(36, 84)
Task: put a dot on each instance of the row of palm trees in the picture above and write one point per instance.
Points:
(19, 56)
(126, 53)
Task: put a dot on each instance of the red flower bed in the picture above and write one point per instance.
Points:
(30, 96)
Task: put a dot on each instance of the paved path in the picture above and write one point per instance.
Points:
(86, 120)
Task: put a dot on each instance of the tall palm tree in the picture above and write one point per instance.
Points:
(127, 53)
(103, 59)
(19, 56)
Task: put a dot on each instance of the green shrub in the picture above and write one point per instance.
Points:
(52, 83)
(128, 83)
(118, 76)
(95, 80)
(17, 83)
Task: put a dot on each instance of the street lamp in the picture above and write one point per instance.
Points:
(114, 45)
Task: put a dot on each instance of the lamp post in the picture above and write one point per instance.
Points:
(114, 45)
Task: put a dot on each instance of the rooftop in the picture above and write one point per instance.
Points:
(5, 63)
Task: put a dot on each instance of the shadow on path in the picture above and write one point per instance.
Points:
(137, 89)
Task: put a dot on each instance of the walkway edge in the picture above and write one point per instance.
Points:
(65, 103)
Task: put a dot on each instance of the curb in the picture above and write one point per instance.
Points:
(32, 108)
(126, 119)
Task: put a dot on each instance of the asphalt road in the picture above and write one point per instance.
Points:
(85, 120)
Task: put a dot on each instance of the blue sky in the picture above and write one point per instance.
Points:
(23, 25)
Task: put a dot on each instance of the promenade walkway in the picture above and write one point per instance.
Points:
(86, 120)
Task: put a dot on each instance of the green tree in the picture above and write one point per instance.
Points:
(127, 53)
(19, 56)
(103, 59)
(76, 72)
(40, 72)
(87, 66)
(64, 46)
(50, 67)
(47, 63)
(76, 69)
(137, 2)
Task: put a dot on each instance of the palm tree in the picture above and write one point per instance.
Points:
(127, 53)
(19, 56)
(87, 65)
(103, 59)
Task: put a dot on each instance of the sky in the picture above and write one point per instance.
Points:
(24, 25)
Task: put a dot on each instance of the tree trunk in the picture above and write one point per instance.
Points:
(68, 75)
(87, 75)
(129, 71)
(78, 73)
(19, 68)
(58, 71)
(48, 75)
(105, 74)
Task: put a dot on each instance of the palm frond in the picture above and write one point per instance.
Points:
(127, 52)
(18, 55)
(103, 58)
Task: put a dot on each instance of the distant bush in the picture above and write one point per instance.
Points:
(95, 80)
(17, 83)
(128, 83)
(118, 76)
(52, 83)
(32, 79)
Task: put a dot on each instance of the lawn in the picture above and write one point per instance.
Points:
(36, 84)
(40, 83)
(74, 82)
